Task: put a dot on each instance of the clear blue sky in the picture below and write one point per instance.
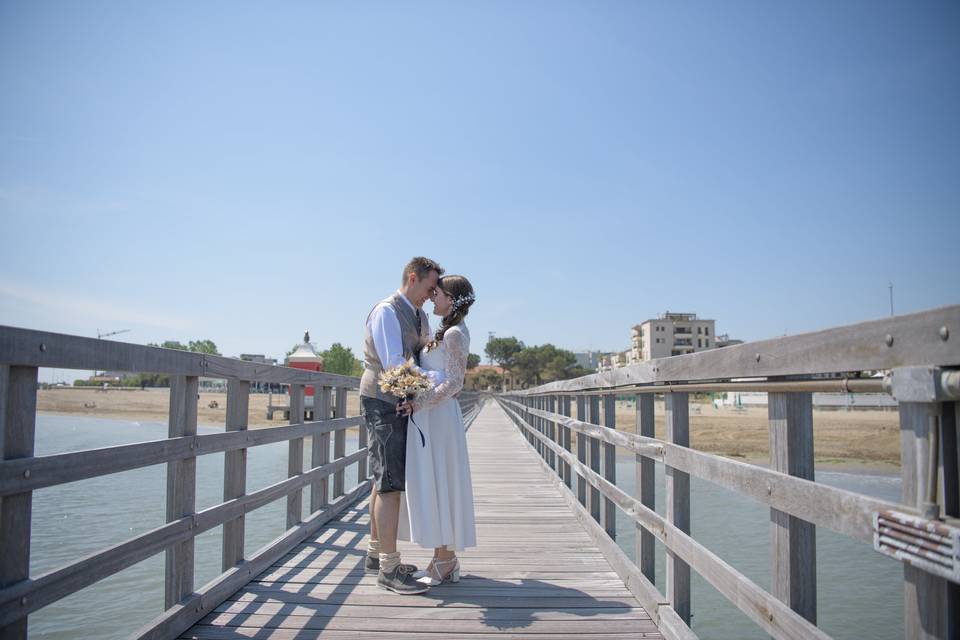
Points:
(244, 171)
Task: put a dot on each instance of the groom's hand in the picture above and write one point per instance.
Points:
(404, 408)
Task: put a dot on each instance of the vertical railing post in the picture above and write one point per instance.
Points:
(551, 406)
(18, 419)
(181, 488)
(678, 503)
(235, 471)
(340, 441)
(593, 417)
(792, 540)
(564, 410)
(927, 610)
(362, 443)
(608, 418)
(581, 449)
(646, 487)
(295, 457)
(320, 449)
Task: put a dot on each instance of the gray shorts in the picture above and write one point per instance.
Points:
(387, 439)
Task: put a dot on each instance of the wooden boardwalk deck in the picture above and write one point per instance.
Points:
(535, 571)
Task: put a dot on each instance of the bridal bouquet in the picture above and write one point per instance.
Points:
(406, 381)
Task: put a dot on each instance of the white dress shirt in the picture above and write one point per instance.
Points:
(384, 328)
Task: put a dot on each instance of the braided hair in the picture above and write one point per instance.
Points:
(460, 289)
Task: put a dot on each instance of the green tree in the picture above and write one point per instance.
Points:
(489, 379)
(204, 346)
(170, 344)
(503, 351)
(473, 361)
(340, 359)
(545, 363)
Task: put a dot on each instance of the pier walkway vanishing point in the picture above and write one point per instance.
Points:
(534, 571)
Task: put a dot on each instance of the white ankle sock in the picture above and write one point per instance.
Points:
(373, 548)
(389, 561)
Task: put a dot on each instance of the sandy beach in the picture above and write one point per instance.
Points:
(862, 441)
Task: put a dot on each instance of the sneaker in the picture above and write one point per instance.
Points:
(400, 582)
(372, 565)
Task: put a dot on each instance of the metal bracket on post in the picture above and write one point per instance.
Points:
(924, 384)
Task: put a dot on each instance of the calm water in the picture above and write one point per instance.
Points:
(70, 521)
(859, 592)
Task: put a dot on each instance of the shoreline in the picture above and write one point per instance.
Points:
(842, 465)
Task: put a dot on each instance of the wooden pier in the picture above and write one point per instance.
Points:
(547, 496)
(535, 571)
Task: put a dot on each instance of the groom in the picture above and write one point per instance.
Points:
(396, 329)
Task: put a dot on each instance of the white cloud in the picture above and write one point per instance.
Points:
(87, 308)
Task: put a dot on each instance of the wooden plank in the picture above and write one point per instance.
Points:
(608, 419)
(181, 488)
(677, 497)
(178, 619)
(18, 409)
(582, 449)
(772, 615)
(320, 448)
(295, 457)
(339, 441)
(646, 486)
(235, 471)
(857, 347)
(925, 595)
(564, 409)
(792, 540)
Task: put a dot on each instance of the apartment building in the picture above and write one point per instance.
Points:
(671, 334)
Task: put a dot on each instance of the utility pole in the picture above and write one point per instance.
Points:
(891, 298)
(490, 335)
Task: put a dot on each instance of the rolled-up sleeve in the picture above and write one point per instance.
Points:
(384, 328)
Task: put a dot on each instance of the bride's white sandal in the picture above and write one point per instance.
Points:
(433, 574)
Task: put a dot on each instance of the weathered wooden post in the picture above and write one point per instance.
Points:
(235, 471)
(181, 488)
(18, 416)
(340, 442)
(564, 410)
(362, 443)
(678, 503)
(929, 610)
(646, 487)
(320, 449)
(295, 457)
(608, 418)
(593, 417)
(792, 540)
(550, 404)
(581, 449)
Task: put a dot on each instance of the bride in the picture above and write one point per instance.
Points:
(438, 509)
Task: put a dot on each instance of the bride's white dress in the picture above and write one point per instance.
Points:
(438, 505)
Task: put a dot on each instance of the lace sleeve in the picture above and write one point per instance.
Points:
(458, 347)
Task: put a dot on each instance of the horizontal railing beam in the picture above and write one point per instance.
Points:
(45, 349)
(30, 595)
(845, 512)
(26, 474)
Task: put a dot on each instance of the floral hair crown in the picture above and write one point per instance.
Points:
(463, 301)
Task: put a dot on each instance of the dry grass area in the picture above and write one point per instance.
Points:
(154, 404)
(863, 438)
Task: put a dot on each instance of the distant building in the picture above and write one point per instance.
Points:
(588, 359)
(671, 334)
(259, 358)
(615, 360)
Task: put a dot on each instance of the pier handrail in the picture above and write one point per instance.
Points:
(23, 351)
(920, 353)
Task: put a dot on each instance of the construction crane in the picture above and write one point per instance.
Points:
(112, 333)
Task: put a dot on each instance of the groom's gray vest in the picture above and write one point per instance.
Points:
(411, 340)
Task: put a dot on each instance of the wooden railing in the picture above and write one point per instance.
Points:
(919, 352)
(23, 351)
